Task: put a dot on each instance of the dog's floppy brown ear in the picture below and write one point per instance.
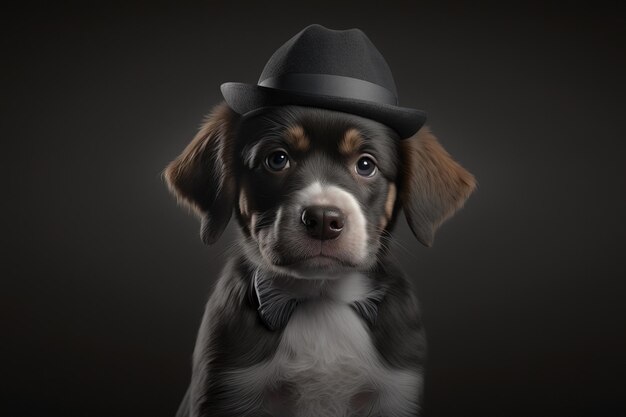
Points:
(434, 185)
(202, 176)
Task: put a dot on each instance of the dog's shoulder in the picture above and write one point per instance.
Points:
(399, 333)
(231, 292)
(231, 331)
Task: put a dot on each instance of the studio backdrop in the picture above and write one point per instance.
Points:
(104, 279)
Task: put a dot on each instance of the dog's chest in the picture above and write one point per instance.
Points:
(325, 363)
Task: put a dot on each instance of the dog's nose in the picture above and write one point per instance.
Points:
(323, 222)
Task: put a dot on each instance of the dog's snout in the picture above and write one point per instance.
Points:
(323, 222)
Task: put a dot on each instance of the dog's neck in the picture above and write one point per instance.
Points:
(278, 296)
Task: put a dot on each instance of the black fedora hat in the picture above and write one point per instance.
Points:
(334, 69)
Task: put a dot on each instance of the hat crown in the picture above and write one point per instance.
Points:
(319, 50)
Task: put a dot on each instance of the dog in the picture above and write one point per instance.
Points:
(310, 316)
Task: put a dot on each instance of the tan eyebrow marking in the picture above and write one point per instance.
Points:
(351, 141)
(297, 138)
(243, 203)
(391, 200)
(382, 223)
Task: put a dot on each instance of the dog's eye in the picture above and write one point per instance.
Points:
(277, 161)
(365, 166)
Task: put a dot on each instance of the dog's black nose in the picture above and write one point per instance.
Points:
(323, 222)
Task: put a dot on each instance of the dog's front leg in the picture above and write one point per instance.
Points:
(401, 343)
(231, 349)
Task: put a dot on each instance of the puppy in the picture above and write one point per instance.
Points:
(310, 317)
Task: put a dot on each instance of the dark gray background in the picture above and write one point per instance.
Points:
(104, 279)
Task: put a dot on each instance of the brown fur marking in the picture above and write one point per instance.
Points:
(351, 142)
(243, 203)
(297, 138)
(183, 174)
(391, 200)
(202, 177)
(434, 184)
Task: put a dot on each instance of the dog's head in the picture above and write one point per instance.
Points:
(314, 190)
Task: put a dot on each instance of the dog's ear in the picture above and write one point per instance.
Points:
(202, 176)
(433, 187)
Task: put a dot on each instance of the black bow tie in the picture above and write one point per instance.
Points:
(276, 305)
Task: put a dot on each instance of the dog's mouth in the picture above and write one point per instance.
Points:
(314, 264)
(319, 260)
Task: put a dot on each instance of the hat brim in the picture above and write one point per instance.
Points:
(244, 98)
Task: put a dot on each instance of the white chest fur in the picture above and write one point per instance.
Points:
(327, 365)
(327, 355)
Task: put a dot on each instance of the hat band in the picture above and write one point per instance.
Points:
(332, 85)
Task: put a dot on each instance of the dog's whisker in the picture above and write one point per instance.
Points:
(386, 237)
